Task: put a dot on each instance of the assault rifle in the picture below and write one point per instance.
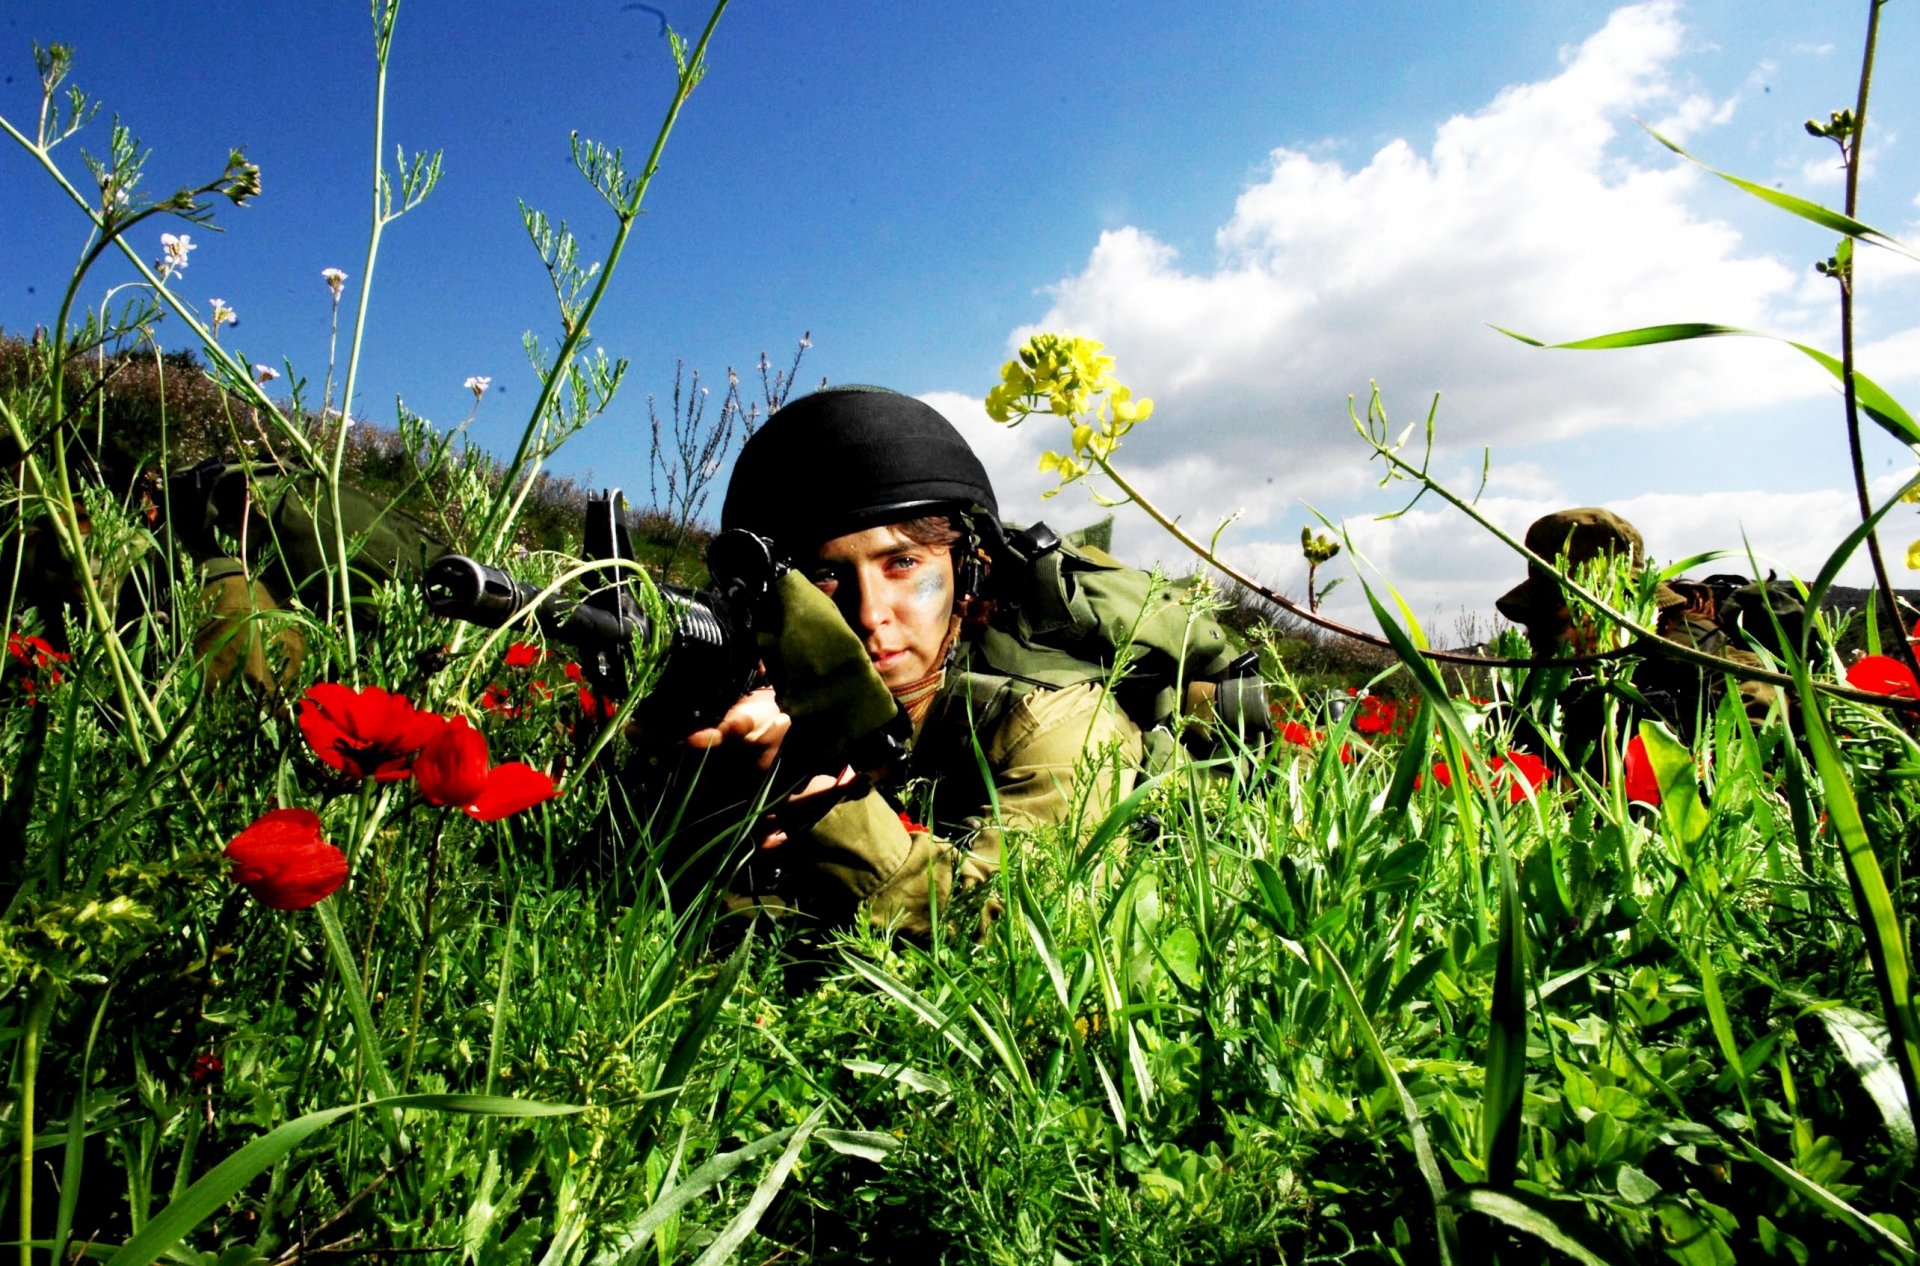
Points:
(711, 654)
(714, 649)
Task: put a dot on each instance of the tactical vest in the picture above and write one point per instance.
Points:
(1067, 616)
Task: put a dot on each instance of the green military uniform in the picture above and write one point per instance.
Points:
(1054, 756)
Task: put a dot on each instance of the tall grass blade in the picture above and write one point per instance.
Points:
(737, 1231)
(1864, 1226)
(1863, 1044)
(686, 1047)
(632, 1244)
(1506, 1056)
(933, 1016)
(1555, 1225)
(1416, 1129)
(1872, 397)
(349, 974)
(1873, 904)
(225, 1181)
(1813, 212)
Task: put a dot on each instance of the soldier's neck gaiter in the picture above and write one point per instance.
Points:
(917, 696)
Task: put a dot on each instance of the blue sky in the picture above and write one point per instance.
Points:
(1261, 208)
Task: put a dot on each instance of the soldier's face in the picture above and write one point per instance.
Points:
(1559, 631)
(896, 593)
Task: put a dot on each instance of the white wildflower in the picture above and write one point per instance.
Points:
(174, 258)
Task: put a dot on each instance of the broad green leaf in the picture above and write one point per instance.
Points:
(911, 1078)
(224, 1181)
(1634, 1186)
(1863, 1042)
(1686, 817)
(870, 1145)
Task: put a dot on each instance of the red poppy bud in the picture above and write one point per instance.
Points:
(452, 767)
(284, 863)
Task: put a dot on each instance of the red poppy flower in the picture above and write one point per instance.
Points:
(596, 708)
(205, 1068)
(37, 655)
(35, 652)
(454, 769)
(1520, 766)
(1516, 771)
(496, 700)
(366, 733)
(913, 828)
(1642, 784)
(1376, 716)
(1883, 675)
(1299, 735)
(524, 655)
(284, 863)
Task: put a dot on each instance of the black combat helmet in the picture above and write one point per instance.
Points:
(849, 458)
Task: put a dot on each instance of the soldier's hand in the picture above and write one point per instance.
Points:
(755, 725)
(818, 785)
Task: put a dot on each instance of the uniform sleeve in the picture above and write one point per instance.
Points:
(1053, 746)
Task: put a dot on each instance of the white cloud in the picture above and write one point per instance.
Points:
(1547, 211)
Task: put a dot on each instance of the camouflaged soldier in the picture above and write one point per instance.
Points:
(264, 540)
(259, 536)
(1675, 690)
(879, 501)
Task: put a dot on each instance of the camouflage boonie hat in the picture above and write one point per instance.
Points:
(1573, 537)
